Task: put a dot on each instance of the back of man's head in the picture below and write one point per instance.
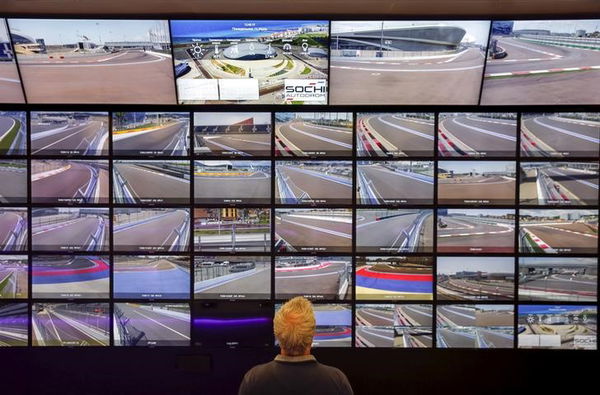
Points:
(294, 326)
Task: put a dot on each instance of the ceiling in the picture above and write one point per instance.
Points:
(256, 8)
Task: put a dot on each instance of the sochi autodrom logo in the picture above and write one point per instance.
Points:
(305, 90)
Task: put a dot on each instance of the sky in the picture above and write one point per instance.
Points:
(553, 213)
(564, 261)
(477, 31)
(229, 118)
(476, 212)
(453, 264)
(3, 32)
(479, 166)
(69, 31)
(552, 309)
(565, 26)
(235, 29)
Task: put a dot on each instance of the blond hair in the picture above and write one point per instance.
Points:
(294, 326)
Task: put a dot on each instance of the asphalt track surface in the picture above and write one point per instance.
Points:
(157, 231)
(467, 234)
(127, 77)
(257, 283)
(559, 287)
(73, 234)
(6, 124)
(440, 80)
(71, 138)
(253, 187)
(393, 284)
(303, 233)
(374, 317)
(310, 185)
(324, 280)
(13, 184)
(10, 84)
(374, 337)
(459, 316)
(245, 144)
(160, 278)
(393, 186)
(150, 183)
(573, 87)
(584, 186)
(573, 237)
(79, 275)
(70, 184)
(403, 136)
(306, 138)
(14, 324)
(386, 234)
(56, 326)
(165, 138)
(461, 289)
(559, 136)
(158, 325)
(8, 222)
(414, 315)
(489, 189)
(479, 136)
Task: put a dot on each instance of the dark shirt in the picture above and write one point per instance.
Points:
(295, 375)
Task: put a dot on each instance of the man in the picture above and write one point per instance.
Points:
(295, 370)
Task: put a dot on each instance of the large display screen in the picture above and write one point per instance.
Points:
(251, 61)
(94, 60)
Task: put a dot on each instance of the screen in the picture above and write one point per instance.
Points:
(238, 181)
(13, 189)
(232, 277)
(13, 131)
(151, 277)
(233, 324)
(11, 90)
(559, 279)
(69, 181)
(151, 133)
(232, 229)
(527, 60)
(69, 133)
(13, 228)
(333, 325)
(395, 135)
(313, 134)
(14, 324)
(151, 229)
(14, 277)
(394, 230)
(407, 62)
(251, 61)
(562, 135)
(571, 327)
(398, 326)
(313, 182)
(313, 230)
(232, 134)
(394, 182)
(94, 60)
(475, 326)
(151, 182)
(475, 278)
(70, 324)
(70, 229)
(322, 277)
(70, 276)
(151, 324)
(559, 183)
(394, 278)
(476, 182)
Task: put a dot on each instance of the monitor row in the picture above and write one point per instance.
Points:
(307, 182)
(299, 61)
(301, 134)
(249, 324)
(324, 230)
(368, 278)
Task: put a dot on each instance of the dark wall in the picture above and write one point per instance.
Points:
(190, 371)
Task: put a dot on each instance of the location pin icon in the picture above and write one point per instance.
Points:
(304, 47)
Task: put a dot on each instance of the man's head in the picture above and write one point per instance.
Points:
(294, 326)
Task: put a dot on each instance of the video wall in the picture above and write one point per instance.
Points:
(142, 205)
